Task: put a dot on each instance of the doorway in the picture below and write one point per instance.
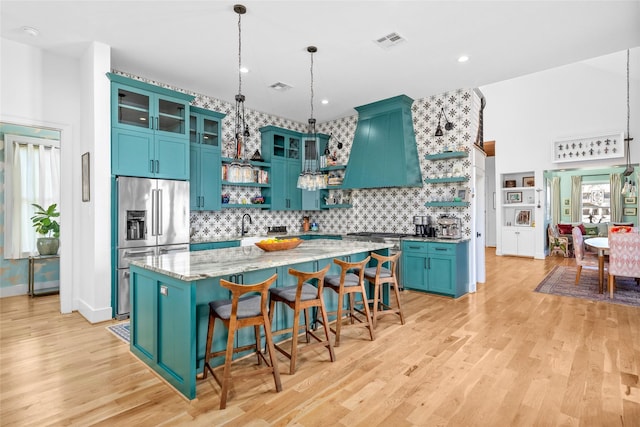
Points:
(27, 127)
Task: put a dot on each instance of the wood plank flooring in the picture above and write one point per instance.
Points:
(504, 356)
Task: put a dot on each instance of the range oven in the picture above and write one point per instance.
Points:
(391, 238)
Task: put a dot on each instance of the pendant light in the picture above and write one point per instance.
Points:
(629, 169)
(310, 178)
(241, 128)
(628, 188)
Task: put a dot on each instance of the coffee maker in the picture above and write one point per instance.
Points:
(424, 226)
(449, 227)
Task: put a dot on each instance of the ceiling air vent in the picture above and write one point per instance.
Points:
(390, 40)
(280, 87)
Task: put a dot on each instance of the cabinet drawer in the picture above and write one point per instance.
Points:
(442, 249)
(412, 246)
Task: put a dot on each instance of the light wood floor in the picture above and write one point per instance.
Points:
(504, 356)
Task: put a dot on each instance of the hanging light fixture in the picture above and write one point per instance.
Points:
(311, 178)
(241, 128)
(628, 189)
(447, 124)
(629, 169)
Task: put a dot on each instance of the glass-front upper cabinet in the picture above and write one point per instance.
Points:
(205, 127)
(141, 106)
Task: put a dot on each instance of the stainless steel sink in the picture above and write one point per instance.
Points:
(250, 240)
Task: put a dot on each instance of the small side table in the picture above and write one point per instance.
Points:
(32, 261)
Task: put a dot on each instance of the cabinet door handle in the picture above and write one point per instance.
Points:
(441, 249)
(428, 263)
(202, 201)
(157, 125)
(151, 166)
(414, 247)
(157, 166)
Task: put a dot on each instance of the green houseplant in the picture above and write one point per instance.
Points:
(45, 224)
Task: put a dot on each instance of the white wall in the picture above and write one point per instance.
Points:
(40, 88)
(524, 115)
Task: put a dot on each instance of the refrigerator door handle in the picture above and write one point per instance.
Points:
(154, 222)
(159, 212)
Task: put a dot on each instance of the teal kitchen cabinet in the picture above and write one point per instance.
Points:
(282, 148)
(436, 267)
(160, 306)
(149, 130)
(205, 159)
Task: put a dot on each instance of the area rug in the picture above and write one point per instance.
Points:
(121, 330)
(561, 281)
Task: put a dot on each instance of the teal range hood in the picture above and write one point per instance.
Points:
(384, 151)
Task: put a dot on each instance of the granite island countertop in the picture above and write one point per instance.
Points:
(189, 266)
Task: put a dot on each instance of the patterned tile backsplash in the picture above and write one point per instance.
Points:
(381, 210)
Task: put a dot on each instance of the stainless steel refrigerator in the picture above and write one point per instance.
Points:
(153, 219)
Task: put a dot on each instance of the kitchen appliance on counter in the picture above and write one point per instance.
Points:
(449, 227)
(393, 238)
(153, 219)
(424, 226)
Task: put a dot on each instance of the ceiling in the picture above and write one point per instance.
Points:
(194, 44)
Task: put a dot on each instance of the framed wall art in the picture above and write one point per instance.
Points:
(514, 196)
(593, 147)
(630, 200)
(523, 217)
(528, 181)
(630, 211)
(86, 178)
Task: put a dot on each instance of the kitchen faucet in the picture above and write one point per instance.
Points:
(242, 230)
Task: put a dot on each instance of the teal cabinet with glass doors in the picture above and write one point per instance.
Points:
(150, 130)
(282, 148)
(205, 159)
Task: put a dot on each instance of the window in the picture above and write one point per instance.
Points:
(32, 175)
(596, 202)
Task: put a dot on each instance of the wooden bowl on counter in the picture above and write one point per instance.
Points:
(280, 245)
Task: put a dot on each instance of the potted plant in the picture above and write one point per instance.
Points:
(45, 225)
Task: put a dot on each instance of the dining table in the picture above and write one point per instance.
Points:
(601, 244)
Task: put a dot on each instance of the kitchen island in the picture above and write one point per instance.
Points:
(170, 295)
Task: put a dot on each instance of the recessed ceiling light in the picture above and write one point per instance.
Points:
(325, 101)
(244, 70)
(33, 32)
(463, 58)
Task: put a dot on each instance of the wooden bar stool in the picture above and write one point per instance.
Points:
(235, 313)
(302, 297)
(347, 283)
(379, 276)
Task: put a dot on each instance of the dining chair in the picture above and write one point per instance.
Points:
(624, 257)
(583, 258)
(557, 244)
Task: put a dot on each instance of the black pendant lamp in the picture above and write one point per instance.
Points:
(629, 169)
(241, 128)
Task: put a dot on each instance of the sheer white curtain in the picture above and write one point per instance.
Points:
(615, 181)
(556, 205)
(32, 175)
(576, 198)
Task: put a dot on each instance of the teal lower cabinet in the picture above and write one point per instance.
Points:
(162, 308)
(214, 245)
(169, 318)
(437, 267)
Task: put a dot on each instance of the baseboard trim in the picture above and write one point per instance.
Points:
(23, 288)
(93, 315)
